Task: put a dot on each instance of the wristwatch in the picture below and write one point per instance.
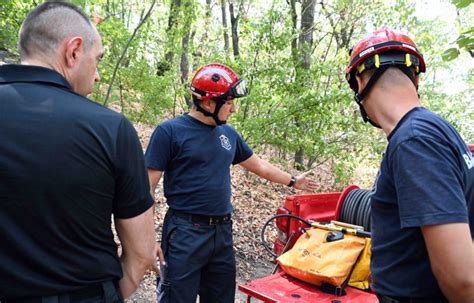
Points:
(292, 181)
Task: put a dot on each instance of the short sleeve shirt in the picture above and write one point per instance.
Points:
(66, 165)
(426, 177)
(196, 160)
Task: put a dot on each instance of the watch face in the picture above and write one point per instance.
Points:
(292, 181)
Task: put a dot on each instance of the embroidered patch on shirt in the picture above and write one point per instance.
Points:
(225, 142)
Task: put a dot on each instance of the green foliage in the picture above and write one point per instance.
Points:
(465, 40)
(461, 3)
(291, 108)
(12, 13)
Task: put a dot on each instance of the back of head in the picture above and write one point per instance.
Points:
(48, 25)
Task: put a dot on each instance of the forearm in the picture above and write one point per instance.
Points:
(458, 285)
(451, 253)
(137, 236)
(273, 173)
(154, 177)
(133, 271)
(264, 169)
(463, 292)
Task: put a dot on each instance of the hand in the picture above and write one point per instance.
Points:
(161, 259)
(303, 182)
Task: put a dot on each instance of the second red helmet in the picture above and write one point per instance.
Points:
(388, 45)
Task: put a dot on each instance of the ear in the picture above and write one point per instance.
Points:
(417, 80)
(206, 104)
(361, 82)
(73, 49)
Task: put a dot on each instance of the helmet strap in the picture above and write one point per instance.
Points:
(359, 98)
(215, 115)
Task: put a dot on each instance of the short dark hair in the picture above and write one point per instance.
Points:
(48, 24)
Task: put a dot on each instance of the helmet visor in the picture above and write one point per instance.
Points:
(239, 89)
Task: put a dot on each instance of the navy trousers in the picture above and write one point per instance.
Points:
(199, 260)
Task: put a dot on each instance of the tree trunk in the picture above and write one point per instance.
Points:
(207, 21)
(304, 60)
(294, 41)
(224, 25)
(184, 64)
(175, 7)
(306, 36)
(234, 23)
(171, 35)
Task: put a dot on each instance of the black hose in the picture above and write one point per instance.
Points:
(262, 233)
(356, 208)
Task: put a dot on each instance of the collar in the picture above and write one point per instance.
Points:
(402, 120)
(11, 73)
(197, 121)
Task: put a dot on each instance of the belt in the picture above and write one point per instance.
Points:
(202, 219)
(387, 299)
(88, 292)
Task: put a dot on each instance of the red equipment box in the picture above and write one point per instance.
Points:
(285, 289)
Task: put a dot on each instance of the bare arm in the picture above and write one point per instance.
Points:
(137, 236)
(451, 253)
(154, 177)
(272, 173)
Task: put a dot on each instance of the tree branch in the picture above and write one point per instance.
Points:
(142, 21)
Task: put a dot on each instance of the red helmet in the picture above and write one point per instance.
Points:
(217, 81)
(383, 47)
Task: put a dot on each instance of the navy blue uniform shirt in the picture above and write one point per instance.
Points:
(426, 177)
(196, 159)
(66, 165)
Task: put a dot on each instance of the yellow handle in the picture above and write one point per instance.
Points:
(344, 224)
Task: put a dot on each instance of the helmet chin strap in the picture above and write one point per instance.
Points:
(215, 115)
(359, 98)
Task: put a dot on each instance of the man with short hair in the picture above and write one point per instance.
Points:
(67, 165)
(195, 151)
(423, 198)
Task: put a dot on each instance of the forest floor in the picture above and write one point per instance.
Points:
(255, 200)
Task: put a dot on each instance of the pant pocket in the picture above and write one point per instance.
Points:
(163, 290)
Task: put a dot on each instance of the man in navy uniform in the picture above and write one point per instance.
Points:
(195, 151)
(423, 198)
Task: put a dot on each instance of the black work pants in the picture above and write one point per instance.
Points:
(105, 292)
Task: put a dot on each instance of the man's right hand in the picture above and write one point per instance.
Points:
(161, 258)
(137, 236)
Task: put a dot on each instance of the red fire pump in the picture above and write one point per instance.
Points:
(352, 205)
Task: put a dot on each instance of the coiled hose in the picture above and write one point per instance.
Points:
(356, 208)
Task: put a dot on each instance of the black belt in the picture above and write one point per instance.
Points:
(387, 299)
(88, 292)
(201, 219)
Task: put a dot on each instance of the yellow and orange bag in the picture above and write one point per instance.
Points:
(314, 260)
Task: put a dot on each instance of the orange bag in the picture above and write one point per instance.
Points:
(316, 261)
